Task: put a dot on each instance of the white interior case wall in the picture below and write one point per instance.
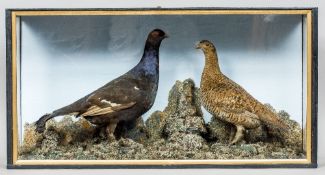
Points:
(65, 58)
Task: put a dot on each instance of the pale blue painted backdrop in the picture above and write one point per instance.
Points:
(65, 58)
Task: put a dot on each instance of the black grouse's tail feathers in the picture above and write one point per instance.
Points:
(40, 123)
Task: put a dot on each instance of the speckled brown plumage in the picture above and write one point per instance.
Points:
(228, 101)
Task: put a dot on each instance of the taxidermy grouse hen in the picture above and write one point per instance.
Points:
(124, 98)
(228, 101)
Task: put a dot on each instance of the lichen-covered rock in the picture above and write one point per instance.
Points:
(155, 124)
(188, 142)
(223, 151)
(293, 137)
(184, 124)
(136, 131)
(181, 124)
(183, 99)
(257, 135)
(173, 125)
(180, 146)
(122, 149)
(71, 131)
(177, 132)
(189, 124)
(259, 150)
(183, 110)
(219, 130)
(50, 141)
(31, 140)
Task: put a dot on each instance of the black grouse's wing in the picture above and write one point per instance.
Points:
(97, 110)
(115, 96)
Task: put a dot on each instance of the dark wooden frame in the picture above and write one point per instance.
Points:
(314, 100)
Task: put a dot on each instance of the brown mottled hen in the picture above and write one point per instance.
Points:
(228, 101)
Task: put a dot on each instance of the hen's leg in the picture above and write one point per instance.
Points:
(241, 118)
(231, 134)
(239, 134)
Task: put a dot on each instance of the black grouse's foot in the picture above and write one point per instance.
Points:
(40, 123)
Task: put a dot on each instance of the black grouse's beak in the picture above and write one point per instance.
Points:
(166, 36)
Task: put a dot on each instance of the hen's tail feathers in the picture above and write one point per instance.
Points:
(273, 120)
(40, 123)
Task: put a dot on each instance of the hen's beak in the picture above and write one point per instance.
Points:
(197, 46)
(166, 36)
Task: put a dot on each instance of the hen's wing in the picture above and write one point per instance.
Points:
(230, 98)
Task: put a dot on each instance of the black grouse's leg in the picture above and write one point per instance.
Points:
(110, 129)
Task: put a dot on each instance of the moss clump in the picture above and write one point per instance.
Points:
(31, 139)
(155, 124)
(177, 132)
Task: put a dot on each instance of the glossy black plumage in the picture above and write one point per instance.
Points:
(124, 98)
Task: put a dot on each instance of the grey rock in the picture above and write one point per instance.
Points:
(219, 130)
(50, 141)
(177, 132)
(183, 110)
(136, 131)
(155, 124)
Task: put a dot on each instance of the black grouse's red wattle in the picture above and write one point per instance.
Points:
(123, 99)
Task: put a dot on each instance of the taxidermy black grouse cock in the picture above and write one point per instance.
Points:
(123, 99)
